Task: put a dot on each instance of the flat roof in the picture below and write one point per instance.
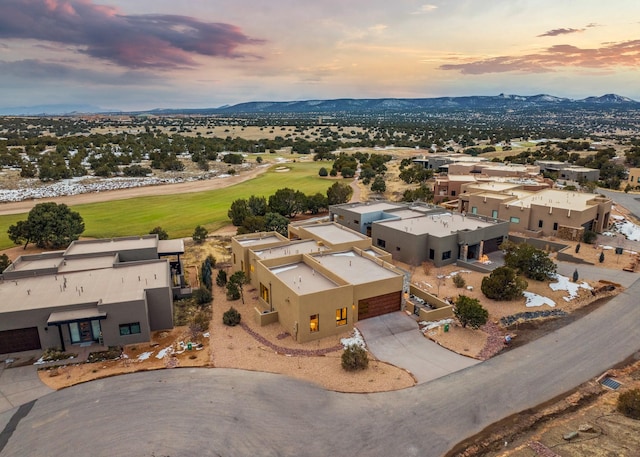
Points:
(438, 224)
(364, 208)
(29, 263)
(259, 241)
(301, 247)
(334, 233)
(109, 285)
(89, 263)
(110, 245)
(171, 246)
(354, 268)
(562, 199)
(303, 279)
(406, 214)
(494, 186)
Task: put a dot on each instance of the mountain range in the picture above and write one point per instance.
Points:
(361, 106)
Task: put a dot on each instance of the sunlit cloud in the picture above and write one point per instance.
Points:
(131, 41)
(556, 32)
(425, 9)
(624, 54)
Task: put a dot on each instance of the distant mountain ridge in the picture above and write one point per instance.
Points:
(381, 105)
(355, 105)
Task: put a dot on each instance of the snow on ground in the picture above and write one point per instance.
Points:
(425, 326)
(163, 352)
(628, 229)
(454, 273)
(563, 283)
(356, 339)
(534, 300)
(144, 356)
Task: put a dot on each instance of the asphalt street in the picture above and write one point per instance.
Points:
(196, 412)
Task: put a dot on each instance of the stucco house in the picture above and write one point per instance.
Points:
(110, 291)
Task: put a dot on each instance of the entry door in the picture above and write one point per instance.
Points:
(85, 332)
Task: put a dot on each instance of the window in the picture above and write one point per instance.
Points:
(341, 317)
(446, 255)
(264, 292)
(540, 223)
(432, 254)
(314, 324)
(453, 193)
(381, 243)
(129, 329)
(494, 214)
(474, 210)
(555, 226)
(515, 220)
(252, 268)
(356, 221)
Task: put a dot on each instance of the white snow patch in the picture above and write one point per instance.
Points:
(534, 300)
(206, 334)
(454, 273)
(425, 326)
(164, 352)
(628, 229)
(144, 356)
(356, 339)
(563, 283)
(276, 271)
(617, 217)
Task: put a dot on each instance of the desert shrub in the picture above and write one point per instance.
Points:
(323, 172)
(202, 296)
(233, 291)
(629, 403)
(601, 258)
(354, 358)
(221, 278)
(459, 281)
(577, 248)
(503, 284)
(470, 312)
(589, 237)
(200, 322)
(231, 317)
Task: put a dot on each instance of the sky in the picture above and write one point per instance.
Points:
(145, 54)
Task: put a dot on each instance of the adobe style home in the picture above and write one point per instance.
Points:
(321, 281)
(549, 212)
(415, 233)
(110, 291)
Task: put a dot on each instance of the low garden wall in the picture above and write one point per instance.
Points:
(441, 309)
(263, 318)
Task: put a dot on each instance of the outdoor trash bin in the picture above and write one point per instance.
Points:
(446, 327)
(189, 346)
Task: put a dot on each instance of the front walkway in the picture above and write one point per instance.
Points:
(395, 338)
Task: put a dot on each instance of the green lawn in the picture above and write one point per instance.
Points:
(180, 214)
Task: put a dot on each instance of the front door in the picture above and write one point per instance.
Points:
(85, 332)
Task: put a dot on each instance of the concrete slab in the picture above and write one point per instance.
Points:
(395, 338)
(20, 385)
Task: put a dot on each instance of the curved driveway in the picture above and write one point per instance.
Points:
(196, 412)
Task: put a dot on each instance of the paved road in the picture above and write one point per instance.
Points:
(229, 413)
(631, 201)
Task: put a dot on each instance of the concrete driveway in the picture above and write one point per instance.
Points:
(19, 385)
(395, 338)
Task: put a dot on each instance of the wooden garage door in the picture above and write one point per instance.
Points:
(18, 340)
(382, 304)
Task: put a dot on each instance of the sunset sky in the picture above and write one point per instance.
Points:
(143, 54)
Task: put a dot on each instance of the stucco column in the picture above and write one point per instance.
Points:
(465, 252)
(481, 251)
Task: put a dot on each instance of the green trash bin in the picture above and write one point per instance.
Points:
(189, 346)
(446, 327)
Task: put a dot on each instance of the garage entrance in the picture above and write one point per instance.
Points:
(377, 306)
(18, 340)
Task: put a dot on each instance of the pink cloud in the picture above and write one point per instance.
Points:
(132, 41)
(556, 32)
(624, 54)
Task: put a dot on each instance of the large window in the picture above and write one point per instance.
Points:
(341, 317)
(381, 243)
(515, 220)
(130, 329)
(264, 293)
(314, 323)
(446, 255)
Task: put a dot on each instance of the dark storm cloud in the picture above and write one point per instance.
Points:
(132, 41)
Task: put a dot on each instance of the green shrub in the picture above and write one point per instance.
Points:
(459, 281)
(601, 258)
(323, 172)
(354, 358)
(231, 317)
(470, 312)
(503, 284)
(221, 278)
(629, 403)
(233, 291)
(589, 237)
(202, 296)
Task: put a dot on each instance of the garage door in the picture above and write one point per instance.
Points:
(382, 304)
(18, 340)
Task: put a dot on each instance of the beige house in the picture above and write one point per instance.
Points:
(549, 212)
(633, 179)
(112, 292)
(320, 284)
